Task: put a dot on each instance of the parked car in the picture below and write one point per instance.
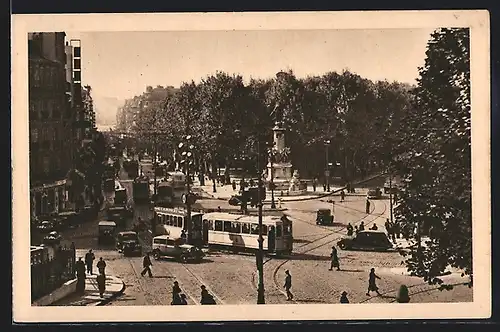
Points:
(53, 238)
(324, 217)
(45, 226)
(107, 229)
(128, 243)
(165, 246)
(366, 240)
(374, 193)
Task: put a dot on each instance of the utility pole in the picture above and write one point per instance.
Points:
(390, 195)
(186, 160)
(327, 169)
(271, 157)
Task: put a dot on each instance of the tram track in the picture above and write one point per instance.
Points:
(315, 243)
(202, 282)
(332, 232)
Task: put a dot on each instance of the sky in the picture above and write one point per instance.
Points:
(121, 64)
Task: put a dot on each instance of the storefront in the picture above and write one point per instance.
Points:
(49, 198)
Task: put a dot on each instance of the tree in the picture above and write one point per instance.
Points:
(437, 163)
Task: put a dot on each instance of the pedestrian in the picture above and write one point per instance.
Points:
(176, 292)
(89, 261)
(324, 186)
(334, 259)
(372, 285)
(403, 296)
(206, 297)
(80, 276)
(146, 263)
(101, 284)
(367, 206)
(388, 227)
(362, 226)
(101, 266)
(234, 185)
(72, 246)
(288, 286)
(342, 196)
(356, 230)
(314, 185)
(183, 234)
(343, 297)
(374, 227)
(350, 230)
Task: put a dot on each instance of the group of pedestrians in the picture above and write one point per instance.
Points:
(179, 298)
(83, 268)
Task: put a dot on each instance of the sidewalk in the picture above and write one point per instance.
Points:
(114, 287)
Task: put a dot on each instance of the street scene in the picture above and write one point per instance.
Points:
(275, 185)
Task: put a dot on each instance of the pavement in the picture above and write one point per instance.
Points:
(91, 297)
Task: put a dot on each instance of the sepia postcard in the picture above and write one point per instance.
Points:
(275, 165)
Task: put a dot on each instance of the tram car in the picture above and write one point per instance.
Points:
(235, 232)
(140, 190)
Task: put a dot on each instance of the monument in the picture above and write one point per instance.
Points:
(279, 168)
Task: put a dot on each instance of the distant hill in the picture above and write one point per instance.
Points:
(105, 109)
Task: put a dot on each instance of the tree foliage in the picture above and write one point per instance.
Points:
(437, 163)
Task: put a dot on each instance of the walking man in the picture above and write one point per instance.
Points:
(80, 276)
(372, 285)
(101, 284)
(101, 266)
(343, 297)
(176, 292)
(342, 196)
(89, 261)
(367, 206)
(206, 297)
(350, 230)
(146, 263)
(334, 259)
(362, 226)
(314, 184)
(288, 286)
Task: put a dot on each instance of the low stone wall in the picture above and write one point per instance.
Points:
(66, 289)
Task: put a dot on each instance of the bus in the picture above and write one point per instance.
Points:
(227, 230)
(140, 190)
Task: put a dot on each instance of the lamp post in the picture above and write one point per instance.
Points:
(271, 159)
(187, 160)
(260, 254)
(327, 169)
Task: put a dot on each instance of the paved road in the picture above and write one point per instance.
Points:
(232, 279)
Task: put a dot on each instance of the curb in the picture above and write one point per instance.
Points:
(112, 297)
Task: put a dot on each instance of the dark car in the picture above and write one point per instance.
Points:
(53, 238)
(46, 226)
(374, 193)
(324, 217)
(366, 240)
(128, 243)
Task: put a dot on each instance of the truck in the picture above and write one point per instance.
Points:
(141, 190)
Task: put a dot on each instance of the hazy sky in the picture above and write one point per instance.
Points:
(122, 64)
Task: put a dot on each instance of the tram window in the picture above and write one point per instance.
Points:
(236, 227)
(278, 231)
(227, 226)
(168, 220)
(210, 225)
(254, 229)
(176, 220)
(245, 228)
(179, 222)
(264, 230)
(218, 225)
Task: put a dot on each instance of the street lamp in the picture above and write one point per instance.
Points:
(187, 156)
(271, 159)
(327, 170)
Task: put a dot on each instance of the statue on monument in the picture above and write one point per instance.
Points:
(277, 115)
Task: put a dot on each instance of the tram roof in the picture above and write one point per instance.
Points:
(176, 211)
(225, 216)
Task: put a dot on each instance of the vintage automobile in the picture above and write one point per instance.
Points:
(53, 238)
(165, 246)
(250, 195)
(374, 193)
(45, 226)
(107, 231)
(366, 240)
(67, 219)
(324, 217)
(128, 243)
(118, 214)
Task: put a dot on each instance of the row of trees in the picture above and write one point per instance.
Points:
(228, 118)
(421, 133)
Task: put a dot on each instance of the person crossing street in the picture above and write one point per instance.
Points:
(288, 286)
(146, 264)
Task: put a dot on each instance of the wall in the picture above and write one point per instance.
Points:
(68, 288)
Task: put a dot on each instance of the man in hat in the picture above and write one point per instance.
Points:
(372, 285)
(334, 259)
(80, 275)
(288, 286)
(89, 260)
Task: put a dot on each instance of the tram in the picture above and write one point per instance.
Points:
(227, 230)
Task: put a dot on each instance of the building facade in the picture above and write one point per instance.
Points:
(50, 123)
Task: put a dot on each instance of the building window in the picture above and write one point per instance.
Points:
(77, 52)
(77, 64)
(77, 76)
